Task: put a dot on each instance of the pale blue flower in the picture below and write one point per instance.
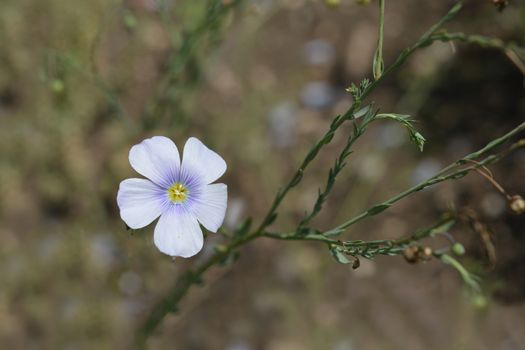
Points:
(182, 194)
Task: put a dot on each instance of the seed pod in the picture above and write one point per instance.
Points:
(500, 4)
(458, 249)
(517, 204)
(427, 252)
(356, 263)
(411, 254)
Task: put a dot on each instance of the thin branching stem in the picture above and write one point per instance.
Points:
(186, 54)
(447, 173)
(359, 248)
(378, 64)
(509, 49)
(339, 164)
(400, 242)
(425, 40)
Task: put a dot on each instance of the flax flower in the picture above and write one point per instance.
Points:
(182, 194)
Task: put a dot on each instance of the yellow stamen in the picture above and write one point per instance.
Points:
(177, 193)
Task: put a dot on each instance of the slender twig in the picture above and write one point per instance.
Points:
(484, 41)
(185, 55)
(446, 173)
(339, 164)
(194, 276)
(425, 40)
(378, 64)
(400, 242)
(111, 98)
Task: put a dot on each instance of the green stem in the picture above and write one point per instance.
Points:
(379, 65)
(177, 293)
(357, 248)
(339, 164)
(425, 40)
(210, 24)
(441, 176)
(510, 50)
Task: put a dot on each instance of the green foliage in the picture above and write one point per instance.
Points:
(368, 115)
(376, 209)
(407, 122)
(348, 252)
(339, 256)
(378, 65)
(470, 280)
(358, 92)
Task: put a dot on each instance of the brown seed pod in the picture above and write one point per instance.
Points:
(411, 254)
(500, 4)
(356, 263)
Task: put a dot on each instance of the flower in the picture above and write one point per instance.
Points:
(182, 194)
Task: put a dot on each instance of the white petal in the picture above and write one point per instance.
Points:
(178, 234)
(156, 158)
(211, 207)
(198, 157)
(140, 202)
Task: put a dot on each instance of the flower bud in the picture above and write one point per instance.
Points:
(480, 302)
(517, 204)
(57, 86)
(458, 249)
(332, 3)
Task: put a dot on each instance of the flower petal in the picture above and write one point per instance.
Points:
(211, 207)
(156, 158)
(207, 163)
(140, 202)
(178, 233)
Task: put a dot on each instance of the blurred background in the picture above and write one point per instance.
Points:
(258, 81)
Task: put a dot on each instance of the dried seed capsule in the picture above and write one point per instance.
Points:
(427, 252)
(517, 204)
(356, 263)
(411, 254)
(500, 4)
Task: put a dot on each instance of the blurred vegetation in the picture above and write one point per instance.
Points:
(82, 81)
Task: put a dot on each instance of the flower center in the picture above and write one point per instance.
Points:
(177, 193)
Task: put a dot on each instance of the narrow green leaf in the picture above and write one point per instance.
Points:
(244, 228)
(271, 219)
(308, 231)
(363, 111)
(229, 258)
(339, 256)
(444, 227)
(378, 64)
(378, 209)
(416, 137)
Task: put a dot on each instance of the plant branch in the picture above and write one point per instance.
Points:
(180, 61)
(244, 235)
(447, 173)
(510, 50)
(366, 89)
(378, 64)
(339, 164)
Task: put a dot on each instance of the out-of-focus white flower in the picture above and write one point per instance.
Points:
(182, 194)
